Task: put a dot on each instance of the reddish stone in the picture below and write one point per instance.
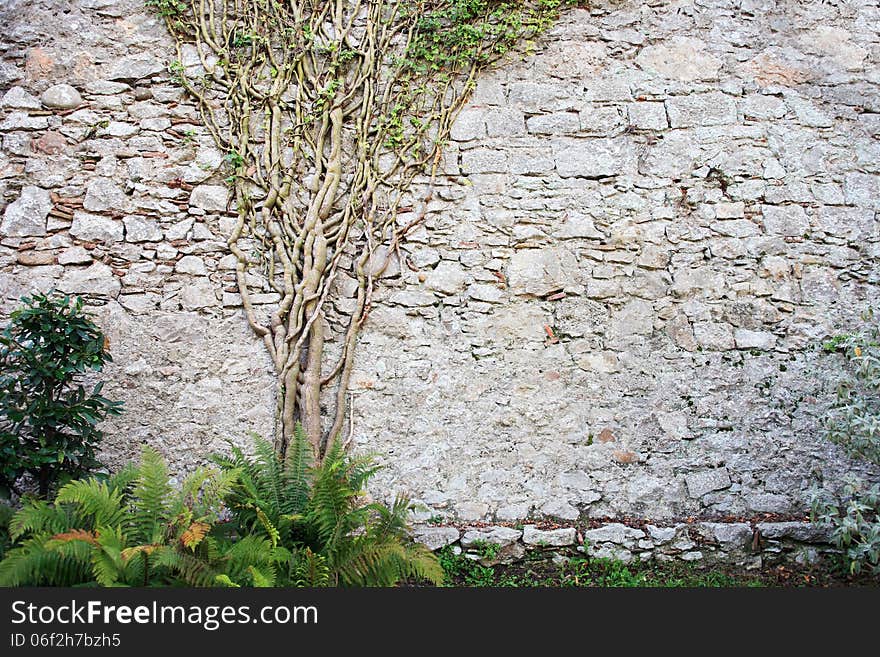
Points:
(50, 143)
(624, 456)
(38, 64)
(33, 258)
(605, 436)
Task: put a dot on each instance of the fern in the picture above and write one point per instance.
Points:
(96, 499)
(150, 498)
(317, 514)
(132, 530)
(297, 468)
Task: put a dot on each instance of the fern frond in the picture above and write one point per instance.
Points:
(262, 578)
(194, 534)
(309, 569)
(95, 499)
(108, 566)
(33, 564)
(124, 478)
(223, 580)
(150, 498)
(73, 535)
(188, 569)
(37, 516)
(298, 464)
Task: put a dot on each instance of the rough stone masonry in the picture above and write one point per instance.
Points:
(650, 221)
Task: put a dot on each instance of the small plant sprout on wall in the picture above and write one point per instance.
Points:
(48, 419)
(330, 110)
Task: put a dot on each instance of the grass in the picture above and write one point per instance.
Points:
(538, 570)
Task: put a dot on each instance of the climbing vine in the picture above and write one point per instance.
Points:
(328, 111)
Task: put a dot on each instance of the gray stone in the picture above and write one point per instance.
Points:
(483, 160)
(413, 298)
(578, 225)
(75, 255)
(711, 108)
(191, 264)
(198, 294)
(714, 336)
(539, 272)
(61, 96)
(446, 278)
(577, 317)
(706, 481)
(96, 228)
(537, 97)
(805, 532)
(103, 194)
(23, 121)
(486, 293)
(661, 534)
(552, 537)
(106, 87)
(558, 508)
(141, 229)
(674, 425)
(682, 334)
(383, 264)
(768, 503)
(614, 533)
(26, 216)
(469, 511)
(785, 220)
(470, 124)
(602, 121)
(137, 304)
(730, 535)
(505, 122)
(746, 339)
(635, 318)
(435, 538)
(610, 551)
(18, 98)
(594, 158)
(559, 123)
(847, 223)
(135, 67)
(680, 58)
(648, 115)
(762, 107)
(98, 279)
(211, 198)
(501, 536)
(512, 512)
(862, 190)
(808, 114)
(119, 129)
(179, 230)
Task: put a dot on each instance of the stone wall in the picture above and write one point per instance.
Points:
(111, 193)
(750, 545)
(649, 222)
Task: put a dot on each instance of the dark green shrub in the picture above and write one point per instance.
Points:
(47, 417)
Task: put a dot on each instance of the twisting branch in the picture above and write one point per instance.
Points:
(328, 111)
